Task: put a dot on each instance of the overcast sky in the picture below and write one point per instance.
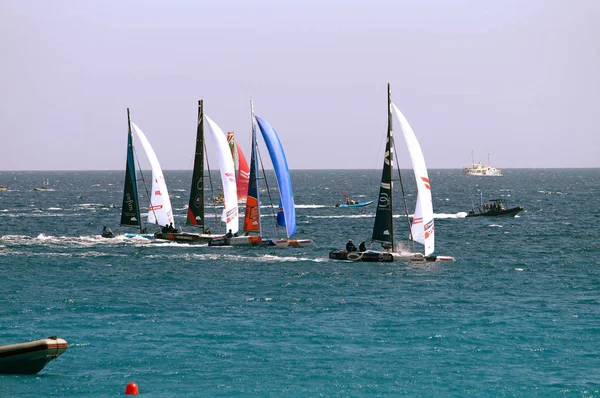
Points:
(515, 78)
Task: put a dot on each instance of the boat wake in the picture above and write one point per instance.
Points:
(460, 214)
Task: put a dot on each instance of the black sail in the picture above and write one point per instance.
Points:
(383, 229)
(130, 210)
(195, 215)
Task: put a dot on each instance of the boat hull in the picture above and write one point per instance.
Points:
(255, 240)
(497, 213)
(360, 204)
(369, 256)
(373, 256)
(185, 237)
(31, 357)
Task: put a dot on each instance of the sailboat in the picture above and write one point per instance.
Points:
(195, 214)
(159, 211)
(44, 186)
(243, 171)
(479, 170)
(422, 228)
(286, 215)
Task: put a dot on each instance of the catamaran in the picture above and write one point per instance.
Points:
(195, 214)
(286, 215)
(422, 228)
(160, 212)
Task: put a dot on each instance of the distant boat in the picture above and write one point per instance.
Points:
(493, 208)
(355, 204)
(195, 213)
(30, 357)
(159, 211)
(480, 170)
(44, 186)
(347, 202)
(3, 188)
(422, 229)
(286, 214)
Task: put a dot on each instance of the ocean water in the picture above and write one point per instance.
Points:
(518, 313)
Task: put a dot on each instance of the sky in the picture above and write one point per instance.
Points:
(515, 79)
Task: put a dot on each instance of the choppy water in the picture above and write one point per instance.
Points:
(518, 313)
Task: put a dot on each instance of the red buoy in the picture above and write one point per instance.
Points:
(131, 389)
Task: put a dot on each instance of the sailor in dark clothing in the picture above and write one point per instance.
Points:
(207, 230)
(165, 229)
(172, 228)
(350, 246)
(107, 233)
(362, 247)
(229, 235)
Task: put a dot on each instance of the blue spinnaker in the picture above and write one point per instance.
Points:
(282, 172)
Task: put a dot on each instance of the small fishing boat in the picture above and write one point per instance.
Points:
(355, 204)
(3, 188)
(348, 202)
(31, 357)
(44, 186)
(494, 208)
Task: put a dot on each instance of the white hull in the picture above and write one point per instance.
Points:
(482, 171)
(419, 257)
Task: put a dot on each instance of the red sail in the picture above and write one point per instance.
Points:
(243, 175)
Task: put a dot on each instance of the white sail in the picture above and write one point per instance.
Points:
(227, 168)
(160, 211)
(422, 227)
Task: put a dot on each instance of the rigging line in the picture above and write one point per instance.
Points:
(410, 235)
(150, 207)
(212, 192)
(267, 185)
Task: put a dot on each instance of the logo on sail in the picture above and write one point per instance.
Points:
(426, 181)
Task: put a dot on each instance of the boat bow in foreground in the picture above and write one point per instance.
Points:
(31, 357)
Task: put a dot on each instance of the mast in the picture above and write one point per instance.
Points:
(195, 215)
(390, 135)
(383, 229)
(130, 210)
(252, 216)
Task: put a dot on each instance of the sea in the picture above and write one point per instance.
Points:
(517, 313)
